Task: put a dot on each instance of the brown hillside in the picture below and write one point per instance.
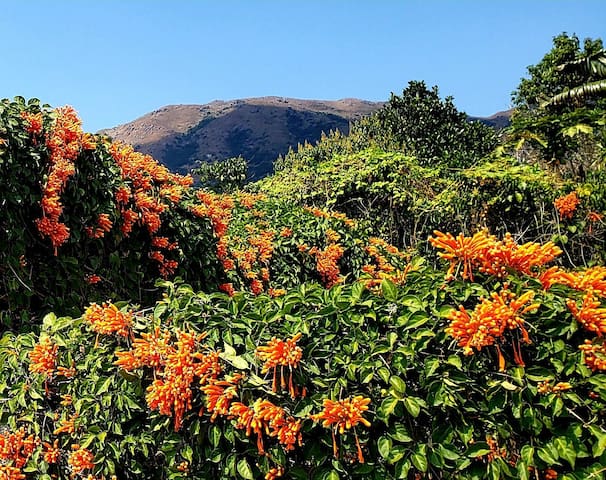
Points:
(259, 129)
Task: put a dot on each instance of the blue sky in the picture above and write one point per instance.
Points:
(117, 60)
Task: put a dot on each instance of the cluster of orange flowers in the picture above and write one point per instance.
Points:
(171, 391)
(265, 417)
(490, 255)
(546, 387)
(323, 213)
(282, 353)
(219, 395)
(383, 256)
(218, 208)
(15, 450)
(108, 319)
(595, 354)
(142, 197)
(489, 321)
(327, 259)
(43, 357)
(252, 259)
(103, 225)
(590, 314)
(67, 425)
(343, 415)
(567, 205)
(175, 368)
(80, 459)
(34, 122)
(64, 141)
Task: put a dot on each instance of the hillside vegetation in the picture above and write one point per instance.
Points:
(419, 298)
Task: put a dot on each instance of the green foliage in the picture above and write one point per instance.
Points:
(547, 80)
(223, 176)
(434, 411)
(423, 125)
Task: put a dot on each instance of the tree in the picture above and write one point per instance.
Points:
(561, 108)
(593, 68)
(420, 123)
(549, 78)
(223, 176)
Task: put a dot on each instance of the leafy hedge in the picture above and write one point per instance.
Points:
(207, 385)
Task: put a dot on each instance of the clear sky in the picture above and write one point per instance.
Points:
(115, 60)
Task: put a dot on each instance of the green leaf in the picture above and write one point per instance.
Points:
(384, 445)
(413, 406)
(478, 449)
(244, 469)
(390, 291)
(419, 458)
(565, 450)
(387, 407)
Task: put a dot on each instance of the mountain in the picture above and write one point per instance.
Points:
(259, 129)
(498, 121)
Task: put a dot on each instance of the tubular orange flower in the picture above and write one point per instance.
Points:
(265, 417)
(327, 263)
(34, 122)
(219, 394)
(51, 453)
(43, 357)
(461, 250)
(274, 472)
(67, 425)
(343, 415)
(80, 459)
(594, 354)
(17, 448)
(172, 391)
(281, 353)
(589, 314)
(593, 279)
(11, 473)
(567, 205)
(108, 319)
(150, 350)
(489, 320)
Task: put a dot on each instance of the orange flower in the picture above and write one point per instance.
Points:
(286, 232)
(461, 250)
(80, 459)
(594, 354)
(11, 473)
(51, 453)
(219, 394)
(150, 350)
(34, 122)
(275, 472)
(171, 391)
(266, 417)
(488, 322)
(92, 279)
(16, 448)
(281, 353)
(43, 357)
(589, 314)
(108, 319)
(567, 204)
(67, 425)
(276, 292)
(327, 263)
(343, 415)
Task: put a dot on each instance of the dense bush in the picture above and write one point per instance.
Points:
(207, 385)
